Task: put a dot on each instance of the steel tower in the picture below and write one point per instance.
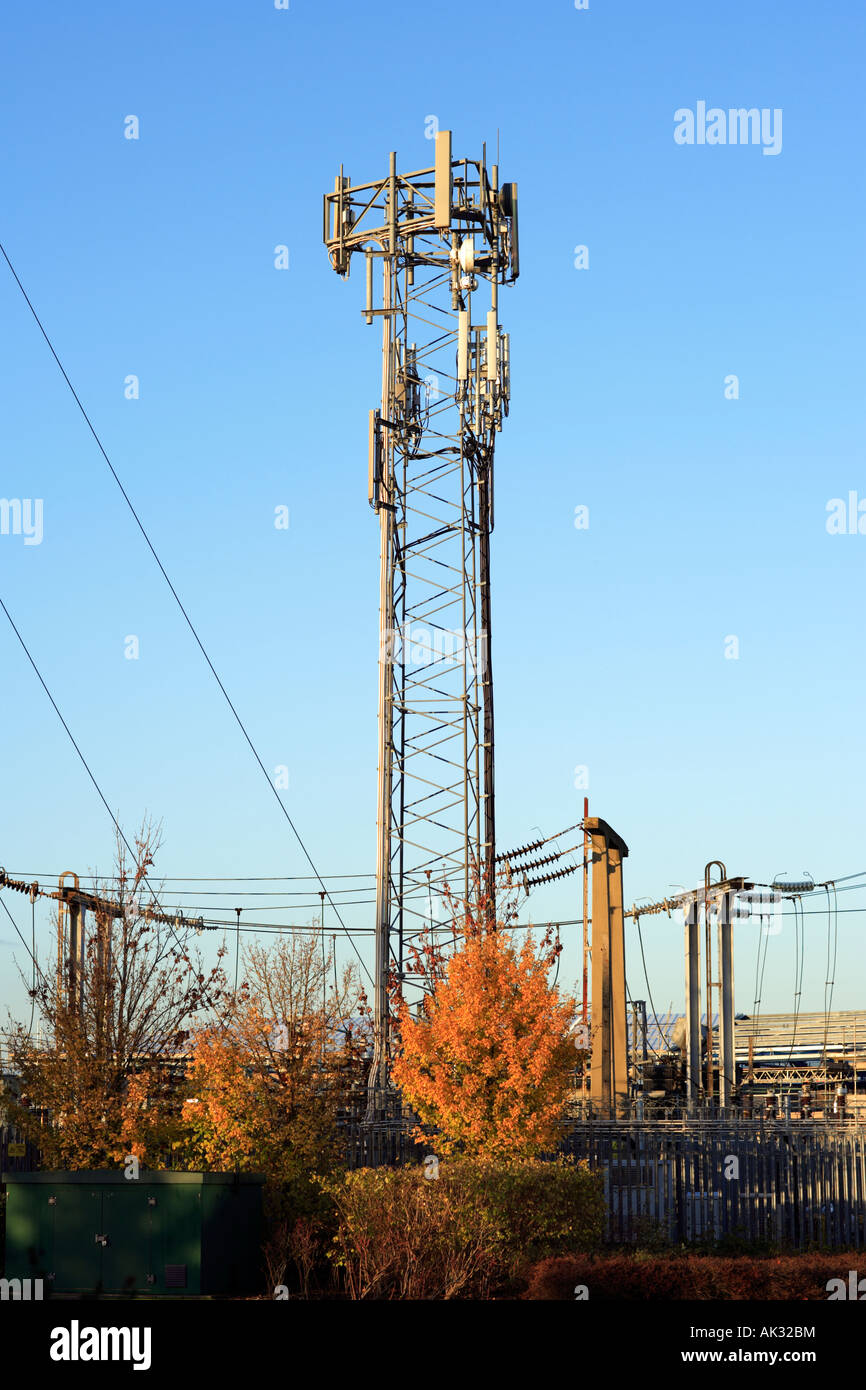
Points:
(446, 239)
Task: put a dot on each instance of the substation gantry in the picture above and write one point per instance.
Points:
(73, 904)
(722, 901)
(445, 239)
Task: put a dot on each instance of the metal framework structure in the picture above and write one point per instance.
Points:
(73, 904)
(720, 901)
(723, 902)
(445, 238)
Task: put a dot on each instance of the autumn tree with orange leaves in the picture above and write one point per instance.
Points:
(488, 1060)
(268, 1082)
(269, 1077)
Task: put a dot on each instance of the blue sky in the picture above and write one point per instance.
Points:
(155, 257)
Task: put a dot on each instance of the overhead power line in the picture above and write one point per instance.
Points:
(84, 761)
(31, 953)
(214, 878)
(34, 889)
(177, 600)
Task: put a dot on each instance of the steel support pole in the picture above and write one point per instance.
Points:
(484, 656)
(708, 966)
(726, 1001)
(693, 1001)
(76, 954)
(710, 906)
(378, 1077)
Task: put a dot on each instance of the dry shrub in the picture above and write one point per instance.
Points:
(708, 1277)
(467, 1233)
(299, 1223)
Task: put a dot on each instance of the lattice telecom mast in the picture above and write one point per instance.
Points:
(441, 235)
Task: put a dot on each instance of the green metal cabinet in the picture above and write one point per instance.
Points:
(162, 1233)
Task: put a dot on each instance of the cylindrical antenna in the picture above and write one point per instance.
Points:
(455, 271)
(492, 347)
(392, 203)
(463, 345)
(368, 311)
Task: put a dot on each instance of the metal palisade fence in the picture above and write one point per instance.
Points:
(796, 1187)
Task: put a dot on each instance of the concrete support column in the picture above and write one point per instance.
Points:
(609, 1067)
